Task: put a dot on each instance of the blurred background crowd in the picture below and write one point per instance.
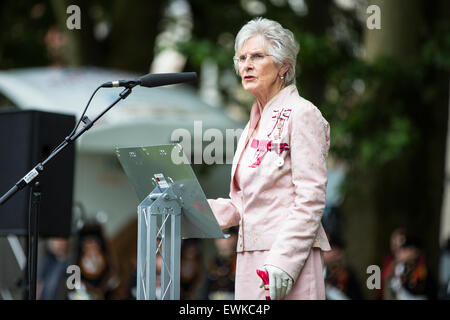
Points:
(405, 271)
(383, 85)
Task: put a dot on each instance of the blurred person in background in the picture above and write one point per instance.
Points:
(98, 274)
(222, 269)
(131, 289)
(279, 173)
(340, 280)
(409, 277)
(56, 43)
(191, 269)
(51, 283)
(397, 238)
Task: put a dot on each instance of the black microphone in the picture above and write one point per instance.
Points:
(120, 83)
(154, 80)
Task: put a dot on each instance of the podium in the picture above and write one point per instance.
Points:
(172, 206)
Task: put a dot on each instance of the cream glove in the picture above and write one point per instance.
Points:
(280, 283)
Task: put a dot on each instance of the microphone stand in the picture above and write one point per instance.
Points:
(35, 195)
(33, 235)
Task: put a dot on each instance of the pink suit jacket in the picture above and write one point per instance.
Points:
(278, 205)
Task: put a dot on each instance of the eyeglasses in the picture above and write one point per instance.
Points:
(254, 58)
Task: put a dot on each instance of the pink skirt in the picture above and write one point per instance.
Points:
(310, 284)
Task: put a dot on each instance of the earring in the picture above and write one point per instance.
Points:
(281, 77)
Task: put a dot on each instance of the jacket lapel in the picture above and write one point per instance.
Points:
(251, 125)
(239, 149)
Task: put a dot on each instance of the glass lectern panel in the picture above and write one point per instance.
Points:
(148, 166)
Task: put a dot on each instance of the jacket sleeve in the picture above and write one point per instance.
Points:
(226, 213)
(309, 145)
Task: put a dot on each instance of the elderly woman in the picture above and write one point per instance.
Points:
(279, 173)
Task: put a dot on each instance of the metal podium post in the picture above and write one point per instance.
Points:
(162, 203)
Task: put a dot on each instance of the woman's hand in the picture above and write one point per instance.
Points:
(280, 283)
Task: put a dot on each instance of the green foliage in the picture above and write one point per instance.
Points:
(199, 50)
(377, 110)
(316, 51)
(370, 121)
(22, 35)
(436, 50)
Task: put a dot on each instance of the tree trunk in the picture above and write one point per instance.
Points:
(133, 34)
(445, 215)
(400, 29)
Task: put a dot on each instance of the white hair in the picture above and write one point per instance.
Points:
(282, 45)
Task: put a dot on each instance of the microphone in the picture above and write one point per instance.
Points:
(120, 83)
(153, 80)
